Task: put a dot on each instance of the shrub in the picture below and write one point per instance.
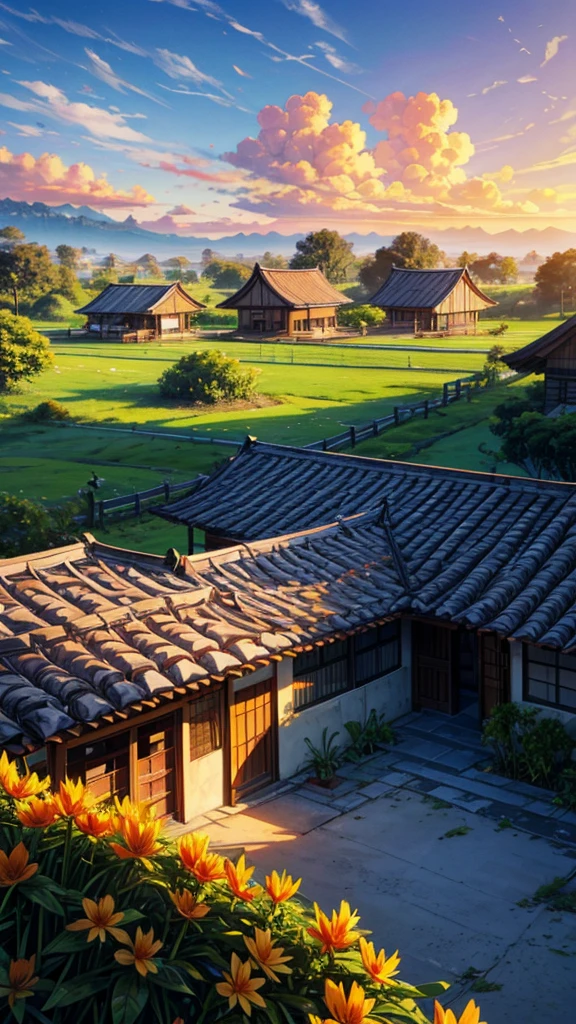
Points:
(104, 919)
(356, 316)
(23, 351)
(526, 746)
(216, 317)
(324, 760)
(48, 411)
(208, 377)
(26, 526)
(55, 308)
(368, 736)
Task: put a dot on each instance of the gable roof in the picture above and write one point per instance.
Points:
(294, 288)
(423, 289)
(533, 356)
(135, 298)
(91, 635)
(270, 489)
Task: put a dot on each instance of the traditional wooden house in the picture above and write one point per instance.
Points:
(195, 685)
(144, 310)
(431, 301)
(286, 302)
(554, 355)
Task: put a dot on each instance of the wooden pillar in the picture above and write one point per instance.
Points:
(133, 780)
(190, 540)
(186, 809)
(56, 762)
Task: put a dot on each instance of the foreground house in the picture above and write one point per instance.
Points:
(143, 311)
(286, 302)
(554, 355)
(431, 301)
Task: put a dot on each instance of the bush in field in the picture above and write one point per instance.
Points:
(49, 411)
(26, 526)
(56, 309)
(215, 317)
(104, 919)
(23, 351)
(357, 316)
(208, 377)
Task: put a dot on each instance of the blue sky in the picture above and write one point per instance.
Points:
(404, 113)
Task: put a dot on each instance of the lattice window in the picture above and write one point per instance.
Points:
(377, 652)
(550, 678)
(205, 725)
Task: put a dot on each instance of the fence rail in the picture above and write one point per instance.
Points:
(133, 503)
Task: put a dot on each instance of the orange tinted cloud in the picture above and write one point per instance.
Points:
(47, 178)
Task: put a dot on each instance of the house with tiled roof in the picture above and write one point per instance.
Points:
(142, 310)
(554, 355)
(445, 301)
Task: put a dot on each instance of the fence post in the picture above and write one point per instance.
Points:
(458, 388)
(90, 503)
(396, 415)
(324, 445)
(353, 436)
(426, 409)
(137, 504)
(444, 394)
(166, 490)
(101, 514)
(375, 428)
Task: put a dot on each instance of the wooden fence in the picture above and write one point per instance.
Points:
(133, 504)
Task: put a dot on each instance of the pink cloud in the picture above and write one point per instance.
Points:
(48, 179)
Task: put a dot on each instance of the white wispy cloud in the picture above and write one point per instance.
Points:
(527, 78)
(239, 71)
(50, 102)
(179, 66)
(101, 69)
(221, 100)
(30, 130)
(495, 85)
(347, 67)
(75, 28)
(318, 16)
(552, 47)
(4, 42)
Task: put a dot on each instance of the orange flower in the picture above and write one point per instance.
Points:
(140, 838)
(335, 932)
(21, 979)
(126, 809)
(187, 904)
(36, 813)
(351, 1010)
(239, 876)
(281, 887)
(72, 799)
(470, 1015)
(142, 954)
(20, 787)
(380, 969)
(95, 823)
(100, 919)
(267, 956)
(15, 867)
(239, 987)
(193, 850)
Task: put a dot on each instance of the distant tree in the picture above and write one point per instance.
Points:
(409, 250)
(66, 283)
(26, 526)
(232, 275)
(68, 256)
(102, 278)
(10, 235)
(189, 277)
(532, 258)
(495, 269)
(466, 259)
(208, 377)
(508, 270)
(111, 261)
(540, 445)
(212, 269)
(556, 277)
(177, 263)
(148, 265)
(494, 365)
(324, 249)
(26, 267)
(23, 351)
(208, 256)
(273, 262)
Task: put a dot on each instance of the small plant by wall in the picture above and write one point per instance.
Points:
(533, 748)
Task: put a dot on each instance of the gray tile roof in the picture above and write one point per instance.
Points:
(133, 298)
(421, 289)
(533, 356)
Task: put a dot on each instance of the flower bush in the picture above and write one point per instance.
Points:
(104, 920)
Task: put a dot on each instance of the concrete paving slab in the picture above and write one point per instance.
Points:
(395, 778)
(455, 796)
(488, 777)
(376, 789)
(427, 750)
(459, 759)
(351, 801)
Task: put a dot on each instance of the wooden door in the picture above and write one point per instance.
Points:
(434, 667)
(157, 765)
(494, 672)
(103, 766)
(253, 738)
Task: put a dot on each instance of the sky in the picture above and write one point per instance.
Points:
(216, 116)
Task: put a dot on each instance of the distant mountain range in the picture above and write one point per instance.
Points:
(82, 226)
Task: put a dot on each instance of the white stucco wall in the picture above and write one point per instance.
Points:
(205, 784)
(391, 695)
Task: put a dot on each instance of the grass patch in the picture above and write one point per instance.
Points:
(461, 830)
(503, 824)
(483, 985)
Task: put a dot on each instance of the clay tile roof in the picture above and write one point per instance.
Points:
(134, 298)
(295, 288)
(422, 289)
(533, 357)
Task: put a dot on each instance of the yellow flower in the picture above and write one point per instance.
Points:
(36, 813)
(193, 850)
(351, 1010)
(15, 868)
(267, 956)
(72, 798)
(95, 823)
(187, 904)
(144, 949)
(100, 919)
(140, 838)
(239, 876)
(20, 787)
(126, 809)
(335, 932)
(281, 887)
(470, 1015)
(239, 987)
(21, 979)
(380, 969)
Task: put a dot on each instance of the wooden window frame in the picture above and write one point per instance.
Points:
(214, 724)
(397, 639)
(526, 648)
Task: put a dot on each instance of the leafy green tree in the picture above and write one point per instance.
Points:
(466, 259)
(23, 351)
(208, 377)
(213, 268)
(356, 316)
(26, 267)
(68, 256)
(10, 236)
(409, 250)
(208, 256)
(26, 526)
(557, 277)
(67, 284)
(327, 250)
(226, 274)
(495, 269)
(494, 364)
(148, 266)
(508, 270)
(273, 262)
(189, 277)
